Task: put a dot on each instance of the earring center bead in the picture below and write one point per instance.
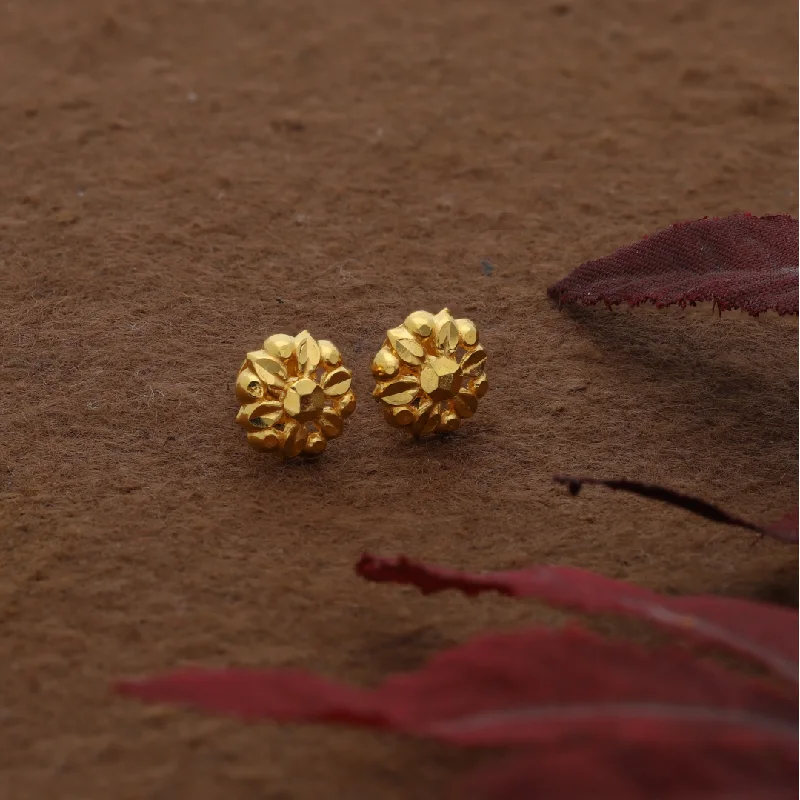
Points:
(305, 400)
(440, 378)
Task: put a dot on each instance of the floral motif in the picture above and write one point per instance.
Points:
(295, 395)
(430, 373)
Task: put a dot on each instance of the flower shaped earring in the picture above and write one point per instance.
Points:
(430, 373)
(295, 395)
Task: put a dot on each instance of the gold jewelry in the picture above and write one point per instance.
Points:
(430, 373)
(295, 395)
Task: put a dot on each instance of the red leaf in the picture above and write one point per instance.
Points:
(765, 633)
(741, 261)
(691, 767)
(785, 529)
(522, 687)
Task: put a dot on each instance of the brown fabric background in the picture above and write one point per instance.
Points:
(180, 179)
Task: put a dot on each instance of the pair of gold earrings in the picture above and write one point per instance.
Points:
(296, 393)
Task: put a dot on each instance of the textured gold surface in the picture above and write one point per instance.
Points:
(295, 395)
(430, 373)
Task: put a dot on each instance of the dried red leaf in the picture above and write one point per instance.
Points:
(607, 716)
(529, 686)
(692, 768)
(741, 261)
(768, 634)
(785, 529)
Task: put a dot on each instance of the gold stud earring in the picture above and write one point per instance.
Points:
(295, 395)
(430, 373)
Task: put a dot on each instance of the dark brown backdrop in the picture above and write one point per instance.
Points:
(181, 178)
